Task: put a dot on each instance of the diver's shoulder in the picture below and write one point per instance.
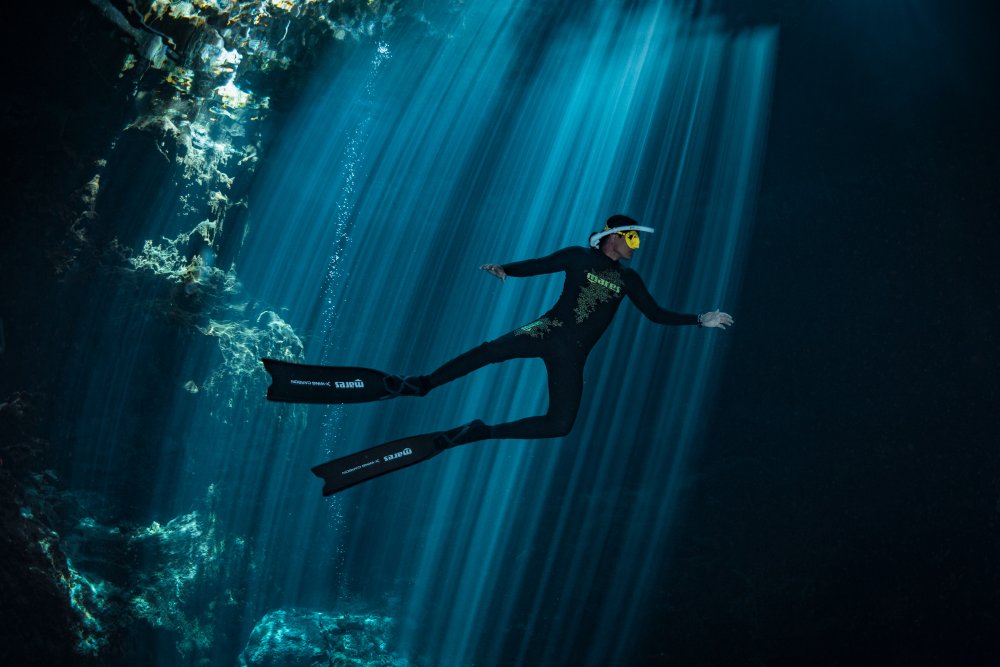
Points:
(630, 276)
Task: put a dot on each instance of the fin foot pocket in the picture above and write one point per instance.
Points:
(471, 432)
(397, 385)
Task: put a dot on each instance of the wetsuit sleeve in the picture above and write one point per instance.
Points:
(554, 263)
(644, 301)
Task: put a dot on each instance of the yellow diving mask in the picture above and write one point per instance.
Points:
(631, 238)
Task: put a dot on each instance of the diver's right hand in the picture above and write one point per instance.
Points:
(496, 270)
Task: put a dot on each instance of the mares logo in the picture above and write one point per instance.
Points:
(604, 283)
(397, 455)
(356, 384)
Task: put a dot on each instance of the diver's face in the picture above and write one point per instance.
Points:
(621, 247)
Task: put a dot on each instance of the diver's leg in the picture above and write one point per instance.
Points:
(565, 392)
(505, 348)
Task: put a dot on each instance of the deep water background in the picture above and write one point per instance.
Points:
(818, 485)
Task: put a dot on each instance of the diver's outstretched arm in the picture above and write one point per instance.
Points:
(554, 263)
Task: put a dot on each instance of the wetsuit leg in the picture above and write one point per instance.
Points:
(505, 348)
(565, 391)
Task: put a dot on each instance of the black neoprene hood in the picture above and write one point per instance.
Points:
(619, 220)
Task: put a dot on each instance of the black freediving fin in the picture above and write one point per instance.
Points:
(302, 383)
(345, 472)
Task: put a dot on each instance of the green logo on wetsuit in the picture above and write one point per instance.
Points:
(614, 287)
(539, 328)
(600, 290)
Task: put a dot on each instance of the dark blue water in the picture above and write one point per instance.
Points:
(367, 192)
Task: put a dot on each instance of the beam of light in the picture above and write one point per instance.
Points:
(352, 164)
(351, 167)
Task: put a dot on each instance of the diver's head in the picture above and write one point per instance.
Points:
(619, 238)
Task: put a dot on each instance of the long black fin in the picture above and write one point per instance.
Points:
(302, 383)
(345, 472)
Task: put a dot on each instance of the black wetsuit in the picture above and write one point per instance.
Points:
(563, 337)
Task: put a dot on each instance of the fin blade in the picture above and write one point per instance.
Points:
(345, 472)
(303, 383)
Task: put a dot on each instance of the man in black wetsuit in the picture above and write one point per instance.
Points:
(595, 285)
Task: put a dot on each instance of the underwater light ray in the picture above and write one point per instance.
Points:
(564, 530)
(351, 163)
(722, 244)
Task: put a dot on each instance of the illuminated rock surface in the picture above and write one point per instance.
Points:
(300, 637)
(193, 574)
(202, 75)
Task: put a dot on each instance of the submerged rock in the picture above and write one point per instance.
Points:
(51, 611)
(95, 589)
(303, 637)
(190, 577)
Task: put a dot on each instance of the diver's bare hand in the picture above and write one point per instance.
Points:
(715, 319)
(496, 270)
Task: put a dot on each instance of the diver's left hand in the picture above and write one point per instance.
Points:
(715, 319)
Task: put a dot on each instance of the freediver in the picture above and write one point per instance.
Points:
(595, 285)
